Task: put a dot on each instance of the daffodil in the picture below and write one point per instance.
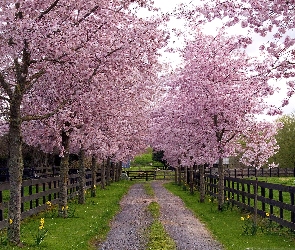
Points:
(248, 216)
(267, 214)
(10, 221)
(242, 218)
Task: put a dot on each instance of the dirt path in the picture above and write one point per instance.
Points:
(129, 226)
(180, 223)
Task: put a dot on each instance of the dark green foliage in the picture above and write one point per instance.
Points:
(285, 138)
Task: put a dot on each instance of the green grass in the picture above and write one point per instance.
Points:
(87, 227)
(288, 181)
(158, 237)
(145, 161)
(227, 226)
(276, 180)
(148, 189)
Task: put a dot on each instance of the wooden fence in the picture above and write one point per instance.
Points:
(253, 172)
(36, 192)
(150, 174)
(275, 199)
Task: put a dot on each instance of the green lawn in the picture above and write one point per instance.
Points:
(88, 226)
(227, 226)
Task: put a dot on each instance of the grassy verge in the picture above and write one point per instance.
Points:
(88, 226)
(228, 227)
(148, 189)
(158, 237)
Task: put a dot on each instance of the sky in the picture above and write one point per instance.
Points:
(211, 29)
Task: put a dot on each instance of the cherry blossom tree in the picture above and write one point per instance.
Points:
(272, 19)
(215, 98)
(51, 51)
(259, 143)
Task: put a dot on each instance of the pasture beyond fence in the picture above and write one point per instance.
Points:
(36, 192)
(275, 199)
(253, 172)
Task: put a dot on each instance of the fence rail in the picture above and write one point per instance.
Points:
(253, 172)
(36, 192)
(150, 174)
(275, 199)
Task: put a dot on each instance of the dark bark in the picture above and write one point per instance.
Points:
(179, 176)
(93, 175)
(15, 165)
(176, 175)
(185, 176)
(120, 170)
(64, 175)
(113, 166)
(220, 184)
(103, 175)
(108, 172)
(202, 183)
(191, 178)
(82, 178)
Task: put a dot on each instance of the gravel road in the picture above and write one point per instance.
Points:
(129, 226)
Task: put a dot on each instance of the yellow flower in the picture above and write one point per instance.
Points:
(267, 214)
(48, 203)
(242, 218)
(63, 208)
(248, 216)
(227, 199)
(67, 207)
(209, 200)
(94, 186)
(10, 221)
(41, 227)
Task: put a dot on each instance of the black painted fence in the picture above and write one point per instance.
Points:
(275, 199)
(36, 192)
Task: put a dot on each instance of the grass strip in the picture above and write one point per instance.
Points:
(148, 189)
(88, 225)
(158, 237)
(227, 226)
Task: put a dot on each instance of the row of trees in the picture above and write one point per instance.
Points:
(75, 77)
(82, 77)
(211, 106)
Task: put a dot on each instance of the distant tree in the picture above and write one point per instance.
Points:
(285, 139)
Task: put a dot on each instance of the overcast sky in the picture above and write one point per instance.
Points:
(212, 29)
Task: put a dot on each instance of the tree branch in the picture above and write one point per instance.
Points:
(48, 9)
(5, 85)
(43, 117)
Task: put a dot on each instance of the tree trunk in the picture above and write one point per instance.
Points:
(179, 176)
(118, 170)
(108, 172)
(220, 184)
(255, 201)
(103, 175)
(191, 174)
(82, 178)
(185, 176)
(93, 176)
(15, 165)
(113, 166)
(202, 183)
(176, 175)
(64, 176)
